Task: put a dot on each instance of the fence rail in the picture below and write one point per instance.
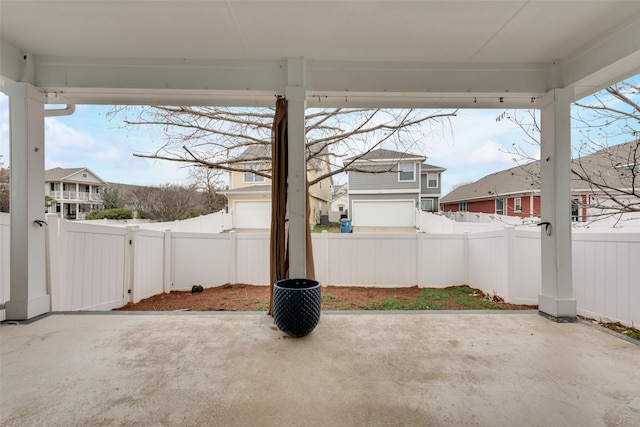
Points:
(95, 267)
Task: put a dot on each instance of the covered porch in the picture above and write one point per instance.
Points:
(354, 369)
(373, 369)
(431, 54)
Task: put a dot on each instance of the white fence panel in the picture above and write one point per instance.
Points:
(384, 260)
(91, 267)
(93, 274)
(525, 280)
(5, 259)
(320, 244)
(487, 262)
(252, 258)
(200, 259)
(211, 223)
(441, 260)
(147, 263)
(606, 272)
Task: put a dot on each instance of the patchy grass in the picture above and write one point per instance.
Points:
(629, 331)
(333, 227)
(330, 302)
(242, 297)
(457, 297)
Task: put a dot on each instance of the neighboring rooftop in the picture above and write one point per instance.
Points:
(610, 164)
(384, 154)
(62, 174)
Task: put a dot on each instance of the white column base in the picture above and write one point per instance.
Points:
(557, 307)
(24, 310)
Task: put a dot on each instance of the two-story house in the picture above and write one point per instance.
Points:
(249, 193)
(387, 187)
(73, 192)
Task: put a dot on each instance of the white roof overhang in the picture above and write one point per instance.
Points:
(381, 53)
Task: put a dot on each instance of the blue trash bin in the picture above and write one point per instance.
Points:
(345, 226)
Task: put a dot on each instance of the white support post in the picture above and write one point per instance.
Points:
(297, 103)
(28, 296)
(556, 297)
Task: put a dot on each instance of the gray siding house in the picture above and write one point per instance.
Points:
(387, 187)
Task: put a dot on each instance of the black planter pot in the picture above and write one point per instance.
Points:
(296, 306)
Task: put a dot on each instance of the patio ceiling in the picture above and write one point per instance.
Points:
(395, 53)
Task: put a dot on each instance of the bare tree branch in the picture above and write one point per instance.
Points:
(610, 173)
(216, 137)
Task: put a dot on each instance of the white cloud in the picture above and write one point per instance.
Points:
(4, 128)
(88, 139)
(475, 146)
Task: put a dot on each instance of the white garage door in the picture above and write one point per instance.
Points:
(383, 213)
(251, 214)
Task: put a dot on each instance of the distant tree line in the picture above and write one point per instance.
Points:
(4, 187)
(167, 202)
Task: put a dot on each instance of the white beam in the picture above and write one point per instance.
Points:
(255, 82)
(613, 57)
(556, 297)
(11, 61)
(425, 77)
(296, 100)
(28, 296)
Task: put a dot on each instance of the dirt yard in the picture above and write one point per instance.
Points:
(240, 297)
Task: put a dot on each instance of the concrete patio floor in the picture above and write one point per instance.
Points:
(372, 369)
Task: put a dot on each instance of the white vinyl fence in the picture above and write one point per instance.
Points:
(94, 267)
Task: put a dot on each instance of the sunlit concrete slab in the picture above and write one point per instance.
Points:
(440, 369)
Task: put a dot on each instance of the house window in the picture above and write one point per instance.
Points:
(252, 177)
(52, 186)
(499, 206)
(406, 171)
(426, 205)
(432, 180)
(340, 208)
(462, 206)
(575, 210)
(84, 175)
(517, 204)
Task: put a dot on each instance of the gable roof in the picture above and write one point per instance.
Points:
(426, 167)
(519, 179)
(384, 154)
(252, 189)
(66, 174)
(262, 152)
(603, 166)
(255, 153)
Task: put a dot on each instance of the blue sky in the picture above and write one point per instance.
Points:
(473, 146)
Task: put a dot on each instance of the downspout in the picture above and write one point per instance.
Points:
(57, 112)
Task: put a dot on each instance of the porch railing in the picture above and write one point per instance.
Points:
(75, 195)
